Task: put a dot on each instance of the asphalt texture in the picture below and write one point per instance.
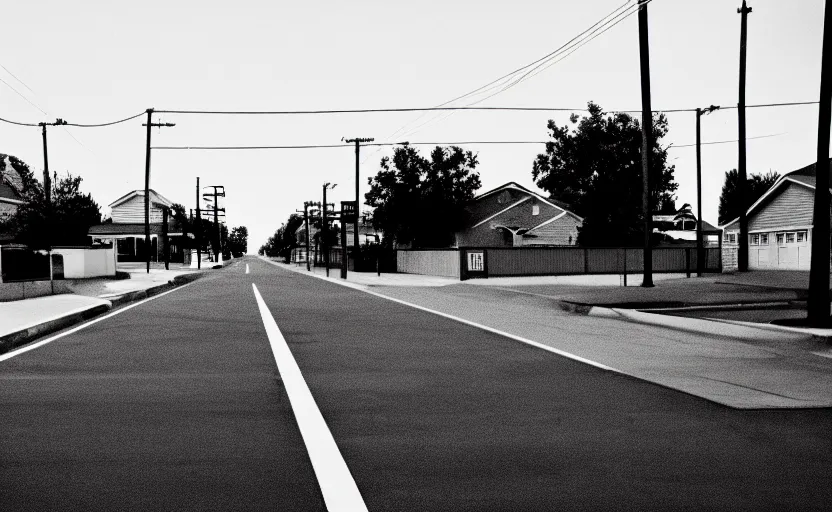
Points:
(177, 404)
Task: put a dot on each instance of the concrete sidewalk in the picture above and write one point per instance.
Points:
(23, 321)
(736, 364)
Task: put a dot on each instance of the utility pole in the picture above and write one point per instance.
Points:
(198, 229)
(306, 205)
(742, 256)
(818, 301)
(215, 193)
(700, 253)
(324, 227)
(149, 125)
(357, 142)
(646, 139)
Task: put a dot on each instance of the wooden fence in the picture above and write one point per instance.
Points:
(537, 261)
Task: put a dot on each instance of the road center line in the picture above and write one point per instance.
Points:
(334, 478)
(32, 346)
(246, 268)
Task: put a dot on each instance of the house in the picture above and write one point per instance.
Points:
(514, 216)
(11, 193)
(681, 228)
(127, 228)
(779, 226)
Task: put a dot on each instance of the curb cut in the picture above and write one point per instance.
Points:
(11, 341)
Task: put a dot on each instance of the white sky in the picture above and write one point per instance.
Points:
(95, 61)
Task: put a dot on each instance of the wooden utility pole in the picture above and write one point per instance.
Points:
(700, 252)
(47, 182)
(217, 209)
(323, 231)
(198, 228)
(357, 142)
(818, 302)
(742, 256)
(646, 139)
(149, 125)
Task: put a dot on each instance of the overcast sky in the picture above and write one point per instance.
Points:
(95, 61)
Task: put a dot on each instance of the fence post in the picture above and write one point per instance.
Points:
(586, 261)
(625, 267)
(687, 260)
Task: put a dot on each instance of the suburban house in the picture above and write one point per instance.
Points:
(682, 228)
(11, 193)
(514, 216)
(779, 226)
(127, 228)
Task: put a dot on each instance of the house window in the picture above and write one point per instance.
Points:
(535, 209)
(801, 236)
(790, 238)
(780, 237)
(732, 238)
(754, 239)
(763, 238)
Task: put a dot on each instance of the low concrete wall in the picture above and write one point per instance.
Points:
(29, 289)
(85, 262)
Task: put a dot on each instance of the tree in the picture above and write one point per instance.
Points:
(756, 186)
(283, 240)
(421, 202)
(238, 241)
(595, 167)
(66, 221)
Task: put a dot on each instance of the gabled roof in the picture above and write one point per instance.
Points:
(154, 196)
(512, 185)
(805, 177)
(10, 179)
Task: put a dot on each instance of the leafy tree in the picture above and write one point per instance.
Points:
(65, 221)
(595, 167)
(756, 186)
(419, 201)
(283, 240)
(238, 241)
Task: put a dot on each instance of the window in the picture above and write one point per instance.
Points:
(535, 209)
(789, 238)
(732, 238)
(801, 236)
(763, 238)
(780, 237)
(754, 239)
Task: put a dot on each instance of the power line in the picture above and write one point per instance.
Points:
(19, 80)
(405, 143)
(673, 146)
(99, 125)
(22, 96)
(394, 110)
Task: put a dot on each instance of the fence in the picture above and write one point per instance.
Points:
(531, 261)
(435, 262)
(85, 262)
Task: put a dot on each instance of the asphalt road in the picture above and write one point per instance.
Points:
(177, 404)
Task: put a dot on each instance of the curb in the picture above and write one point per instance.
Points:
(743, 332)
(11, 341)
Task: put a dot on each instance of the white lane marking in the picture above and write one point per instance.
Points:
(246, 268)
(26, 348)
(334, 478)
(527, 341)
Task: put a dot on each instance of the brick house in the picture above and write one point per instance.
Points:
(779, 226)
(127, 228)
(514, 216)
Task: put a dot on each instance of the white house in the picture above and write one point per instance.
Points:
(779, 226)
